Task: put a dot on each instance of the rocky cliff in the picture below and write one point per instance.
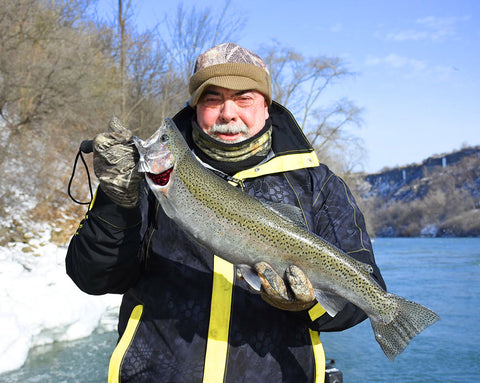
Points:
(438, 197)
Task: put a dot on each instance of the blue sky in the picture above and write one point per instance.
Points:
(416, 64)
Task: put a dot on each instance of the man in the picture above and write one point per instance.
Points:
(187, 315)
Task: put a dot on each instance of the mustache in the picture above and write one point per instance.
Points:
(229, 129)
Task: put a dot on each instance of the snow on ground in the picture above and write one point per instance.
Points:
(40, 304)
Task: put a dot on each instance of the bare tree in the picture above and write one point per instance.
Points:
(299, 82)
(193, 31)
(51, 66)
(122, 17)
(57, 87)
(148, 75)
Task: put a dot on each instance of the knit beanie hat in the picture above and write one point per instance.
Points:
(230, 66)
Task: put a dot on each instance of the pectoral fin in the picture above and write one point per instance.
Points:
(332, 303)
(250, 276)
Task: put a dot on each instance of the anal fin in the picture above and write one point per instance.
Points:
(332, 303)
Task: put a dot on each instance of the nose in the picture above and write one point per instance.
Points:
(229, 111)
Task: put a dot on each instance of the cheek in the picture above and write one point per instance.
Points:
(256, 122)
(260, 116)
(206, 118)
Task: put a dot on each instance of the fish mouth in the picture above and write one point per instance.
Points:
(162, 178)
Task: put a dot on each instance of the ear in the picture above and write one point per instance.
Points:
(266, 111)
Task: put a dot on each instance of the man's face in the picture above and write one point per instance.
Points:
(231, 116)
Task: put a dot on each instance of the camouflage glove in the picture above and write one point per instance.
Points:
(297, 296)
(115, 164)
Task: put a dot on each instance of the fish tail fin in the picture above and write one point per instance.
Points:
(409, 320)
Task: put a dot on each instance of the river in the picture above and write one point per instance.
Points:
(441, 273)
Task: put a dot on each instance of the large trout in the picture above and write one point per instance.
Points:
(244, 231)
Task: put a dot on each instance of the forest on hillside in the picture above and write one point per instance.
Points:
(64, 73)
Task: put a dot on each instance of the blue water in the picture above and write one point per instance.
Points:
(81, 361)
(442, 274)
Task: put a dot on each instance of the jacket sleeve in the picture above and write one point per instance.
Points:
(102, 255)
(339, 221)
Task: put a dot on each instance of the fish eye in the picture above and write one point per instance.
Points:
(164, 138)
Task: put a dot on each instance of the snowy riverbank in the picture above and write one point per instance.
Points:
(39, 303)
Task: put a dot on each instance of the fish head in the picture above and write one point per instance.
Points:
(159, 155)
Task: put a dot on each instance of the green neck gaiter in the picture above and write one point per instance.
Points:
(232, 158)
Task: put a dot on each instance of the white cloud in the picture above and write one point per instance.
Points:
(431, 28)
(396, 61)
(412, 68)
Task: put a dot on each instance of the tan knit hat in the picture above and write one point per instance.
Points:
(230, 66)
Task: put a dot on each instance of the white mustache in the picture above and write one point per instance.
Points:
(230, 129)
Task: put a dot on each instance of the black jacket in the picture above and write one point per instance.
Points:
(182, 322)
